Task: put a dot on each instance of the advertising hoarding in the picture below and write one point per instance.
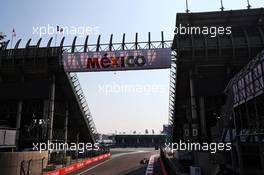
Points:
(117, 60)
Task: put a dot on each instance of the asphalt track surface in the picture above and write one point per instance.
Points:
(122, 162)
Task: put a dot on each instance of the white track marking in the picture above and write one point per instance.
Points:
(93, 167)
(150, 168)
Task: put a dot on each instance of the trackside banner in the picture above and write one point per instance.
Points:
(117, 60)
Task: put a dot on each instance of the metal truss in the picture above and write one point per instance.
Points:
(83, 103)
(86, 47)
(249, 82)
(245, 96)
(117, 46)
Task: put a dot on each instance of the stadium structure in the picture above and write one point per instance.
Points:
(216, 95)
(216, 91)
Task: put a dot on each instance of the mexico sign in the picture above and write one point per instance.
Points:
(117, 60)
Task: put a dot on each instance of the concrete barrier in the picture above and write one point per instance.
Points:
(78, 165)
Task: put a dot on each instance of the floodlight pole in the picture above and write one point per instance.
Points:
(187, 7)
(249, 6)
(222, 6)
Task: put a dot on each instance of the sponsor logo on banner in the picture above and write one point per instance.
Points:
(117, 60)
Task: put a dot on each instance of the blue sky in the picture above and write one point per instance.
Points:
(123, 112)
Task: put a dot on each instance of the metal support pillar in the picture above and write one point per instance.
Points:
(45, 118)
(261, 156)
(234, 148)
(77, 142)
(194, 126)
(18, 121)
(66, 125)
(202, 118)
(240, 158)
(51, 107)
(193, 106)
